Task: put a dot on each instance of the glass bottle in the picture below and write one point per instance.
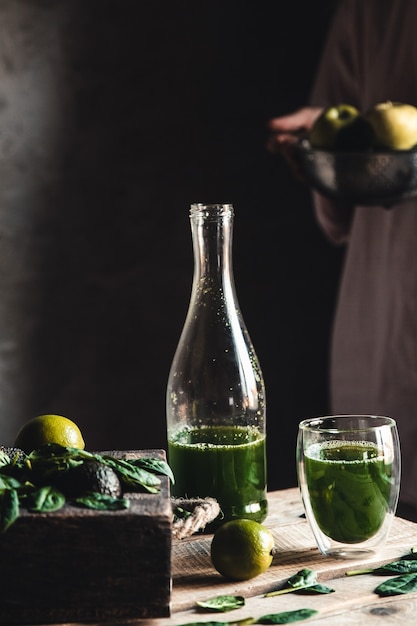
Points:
(216, 393)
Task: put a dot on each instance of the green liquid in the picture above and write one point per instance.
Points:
(349, 487)
(222, 462)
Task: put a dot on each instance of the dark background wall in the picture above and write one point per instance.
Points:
(114, 118)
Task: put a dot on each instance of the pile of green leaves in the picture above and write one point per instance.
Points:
(32, 481)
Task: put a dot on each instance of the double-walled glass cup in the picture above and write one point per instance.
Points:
(349, 475)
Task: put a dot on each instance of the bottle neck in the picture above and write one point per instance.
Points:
(212, 231)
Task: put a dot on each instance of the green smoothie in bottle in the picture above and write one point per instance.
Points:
(215, 393)
(226, 463)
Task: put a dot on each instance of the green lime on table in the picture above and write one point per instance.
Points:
(242, 549)
(44, 429)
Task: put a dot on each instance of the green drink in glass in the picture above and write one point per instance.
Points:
(349, 476)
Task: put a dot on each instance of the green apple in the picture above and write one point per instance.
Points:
(394, 125)
(331, 121)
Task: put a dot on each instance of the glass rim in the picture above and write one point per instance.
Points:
(215, 209)
(327, 423)
(211, 205)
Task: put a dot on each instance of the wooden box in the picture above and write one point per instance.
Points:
(80, 565)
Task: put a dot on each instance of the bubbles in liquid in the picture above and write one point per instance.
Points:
(214, 436)
(344, 451)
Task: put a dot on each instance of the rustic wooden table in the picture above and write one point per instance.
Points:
(353, 602)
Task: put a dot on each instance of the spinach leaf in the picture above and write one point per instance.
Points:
(397, 585)
(132, 476)
(102, 502)
(303, 578)
(222, 603)
(50, 459)
(44, 499)
(158, 466)
(312, 589)
(402, 566)
(397, 567)
(8, 482)
(240, 622)
(36, 481)
(287, 617)
(9, 508)
(206, 624)
(304, 581)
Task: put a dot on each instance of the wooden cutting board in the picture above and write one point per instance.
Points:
(195, 579)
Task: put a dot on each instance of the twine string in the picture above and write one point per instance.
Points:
(192, 515)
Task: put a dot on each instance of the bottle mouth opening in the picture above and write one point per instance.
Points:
(211, 210)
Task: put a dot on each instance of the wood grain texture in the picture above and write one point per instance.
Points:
(353, 602)
(82, 565)
(295, 549)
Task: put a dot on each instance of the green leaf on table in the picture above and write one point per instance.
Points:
(304, 578)
(158, 466)
(398, 567)
(239, 622)
(287, 617)
(397, 585)
(312, 589)
(8, 482)
(51, 459)
(304, 581)
(9, 508)
(403, 566)
(102, 502)
(206, 624)
(44, 499)
(133, 476)
(222, 603)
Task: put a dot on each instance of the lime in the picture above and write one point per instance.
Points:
(242, 549)
(49, 429)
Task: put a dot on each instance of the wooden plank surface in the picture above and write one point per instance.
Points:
(83, 564)
(353, 602)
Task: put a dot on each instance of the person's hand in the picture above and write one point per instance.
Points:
(286, 130)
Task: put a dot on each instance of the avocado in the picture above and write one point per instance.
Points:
(91, 476)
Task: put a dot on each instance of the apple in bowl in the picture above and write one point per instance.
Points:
(341, 127)
(394, 125)
(386, 125)
(367, 159)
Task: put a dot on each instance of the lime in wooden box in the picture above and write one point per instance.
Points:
(80, 565)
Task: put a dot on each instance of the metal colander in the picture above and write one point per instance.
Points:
(365, 178)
